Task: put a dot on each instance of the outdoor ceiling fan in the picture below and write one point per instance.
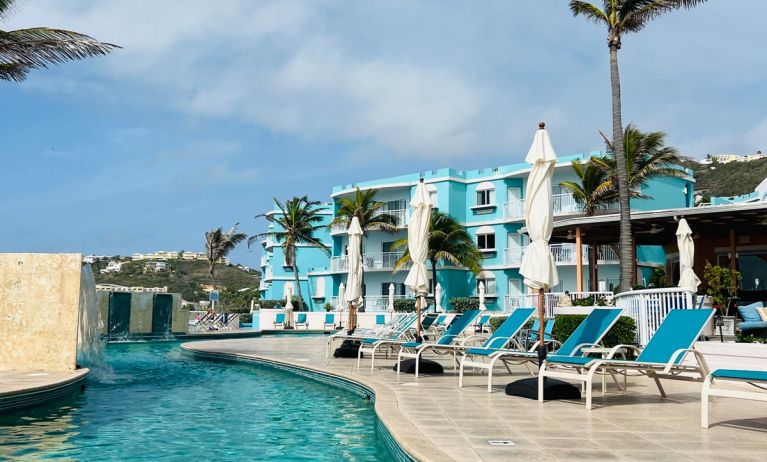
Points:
(654, 229)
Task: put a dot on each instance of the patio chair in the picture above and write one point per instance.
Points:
(660, 359)
(439, 323)
(530, 335)
(588, 333)
(500, 338)
(279, 320)
(455, 330)
(757, 379)
(380, 320)
(397, 326)
(301, 320)
(482, 324)
(330, 320)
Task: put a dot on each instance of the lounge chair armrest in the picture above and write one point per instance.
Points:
(582, 346)
(472, 338)
(680, 354)
(614, 350)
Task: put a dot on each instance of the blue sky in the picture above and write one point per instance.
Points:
(213, 108)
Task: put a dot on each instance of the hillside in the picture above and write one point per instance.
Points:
(731, 179)
(185, 277)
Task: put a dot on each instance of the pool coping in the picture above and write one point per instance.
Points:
(30, 396)
(395, 424)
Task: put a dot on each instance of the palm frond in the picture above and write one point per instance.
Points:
(636, 14)
(40, 47)
(6, 8)
(589, 11)
(14, 72)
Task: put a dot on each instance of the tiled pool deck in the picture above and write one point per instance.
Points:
(437, 421)
(20, 389)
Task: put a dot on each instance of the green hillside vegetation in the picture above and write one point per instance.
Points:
(731, 179)
(187, 278)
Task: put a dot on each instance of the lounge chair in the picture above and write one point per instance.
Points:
(380, 320)
(457, 326)
(376, 345)
(302, 321)
(531, 335)
(501, 337)
(483, 323)
(330, 320)
(757, 379)
(588, 333)
(660, 359)
(396, 327)
(439, 323)
(279, 320)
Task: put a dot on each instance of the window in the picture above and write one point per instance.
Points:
(319, 289)
(485, 194)
(486, 238)
(399, 288)
(488, 279)
(400, 204)
(432, 195)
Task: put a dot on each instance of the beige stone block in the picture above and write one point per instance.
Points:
(141, 313)
(180, 321)
(39, 311)
(102, 302)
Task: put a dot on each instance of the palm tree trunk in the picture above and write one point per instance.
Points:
(211, 272)
(626, 265)
(593, 258)
(298, 288)
(434, 279)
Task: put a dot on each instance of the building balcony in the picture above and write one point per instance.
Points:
(374, 302)
(383, 261)
(564, 254)
(563, 203)
(403, 216)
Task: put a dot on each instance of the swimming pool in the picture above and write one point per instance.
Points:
(164, 405)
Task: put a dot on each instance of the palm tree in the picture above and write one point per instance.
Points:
(623, 17)
(448, 242)
(297, 221)
(36, 48)
(372, 215)
(647, 157)
(218, 244)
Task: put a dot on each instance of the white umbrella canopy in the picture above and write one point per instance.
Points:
(481, 291)
(687, 277)
(390, 305)
(438, 298)
(418, 245)
(288, 292)
(354, 275)
(538, 266)
(341, 306)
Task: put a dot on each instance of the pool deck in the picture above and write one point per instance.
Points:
(434, 420)
(20, 389)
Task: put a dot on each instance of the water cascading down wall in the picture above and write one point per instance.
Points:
(141, 314)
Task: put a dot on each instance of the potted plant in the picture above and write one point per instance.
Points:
(328, 307)
(721, 286)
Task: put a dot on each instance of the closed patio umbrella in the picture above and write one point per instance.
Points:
(288, 292)
(481, 290)
(341, 305)
(687, 277)
(438, 298)
(418, 247)
(390, 306)
(354, 276)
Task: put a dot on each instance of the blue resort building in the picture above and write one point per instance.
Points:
(489, 202)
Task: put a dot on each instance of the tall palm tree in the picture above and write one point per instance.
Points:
(647, 157)
(218, 244)
(25, 49)
(372, 215)
(448, 242)
(623, 17)
(297, 221)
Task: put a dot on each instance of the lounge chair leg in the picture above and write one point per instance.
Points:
(417, 362)
(373, 358)
(399, 360)
(490, 377)
(660, 387)
(460, 373)
(589, 382)
(704, 403)
(359, 356)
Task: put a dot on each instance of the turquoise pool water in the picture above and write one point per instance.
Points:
(164, 405)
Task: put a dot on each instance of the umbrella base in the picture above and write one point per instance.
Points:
(425, 366)
(552, 389)
(348, 349)
(288, 328)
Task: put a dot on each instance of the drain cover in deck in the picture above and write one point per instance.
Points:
(500, 442)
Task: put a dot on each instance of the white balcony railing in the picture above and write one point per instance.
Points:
(402, 215)
(649, 307)
(550, 301)
(374, 302)
(564, 254)
(370, 261)
(562, 203)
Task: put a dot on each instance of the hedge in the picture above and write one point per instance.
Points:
(622, 332)
(279, 303)
(461, 304)
(404, 304)
(496, 321)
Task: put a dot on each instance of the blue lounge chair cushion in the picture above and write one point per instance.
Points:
(411, 345)
(749, 313)
(481, 351)
(370, 340)
(750, 325)
(380, 319)
(678, 331)
(757, 376)
(301, 318)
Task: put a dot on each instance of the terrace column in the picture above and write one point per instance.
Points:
(635, 275)
(733, 251)
(578, 259)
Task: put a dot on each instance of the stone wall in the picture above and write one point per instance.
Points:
(141, 313)
(39, 311)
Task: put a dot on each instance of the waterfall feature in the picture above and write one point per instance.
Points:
(90, 345)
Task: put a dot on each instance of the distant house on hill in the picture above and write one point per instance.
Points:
(113, 267)
(156, 267)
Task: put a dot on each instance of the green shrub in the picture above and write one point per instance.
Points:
(246, 317)
(461, 304)
(622, 332)
(279, 303)
(496, 321)
(591, 301)
(404, 304)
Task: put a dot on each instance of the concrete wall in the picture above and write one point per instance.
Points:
(141, 313)
(39, 311)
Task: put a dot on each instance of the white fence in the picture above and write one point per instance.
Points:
(402, 216)
(563, 203)
(564, 254)
(374, 303)
(370, 261)
(550, 300)
(649, 307)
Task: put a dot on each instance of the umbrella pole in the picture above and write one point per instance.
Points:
(418, 337)
(541, 329)
(351, 325)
